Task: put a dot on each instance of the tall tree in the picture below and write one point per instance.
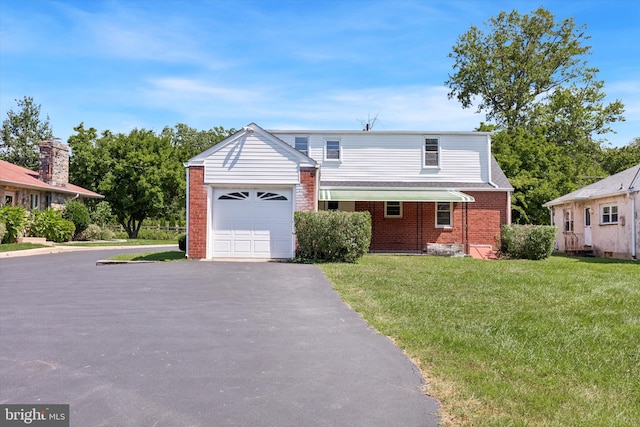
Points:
(21, 134)
(617, 159)
(529, 75)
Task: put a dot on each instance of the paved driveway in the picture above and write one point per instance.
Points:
(196, 344)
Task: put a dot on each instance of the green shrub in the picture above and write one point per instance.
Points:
(182, 242)
(528, 241)
(101, 214)
(332, 236)
(49, 224)
(106, 234)
(3, 231)
(157, 234)
(92, 232)
(78, 214)
(14, 219)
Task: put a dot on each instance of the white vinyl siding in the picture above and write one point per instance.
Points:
(367, 156)
(250, 160)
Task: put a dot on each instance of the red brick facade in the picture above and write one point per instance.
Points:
(197, 232)
(417, 226)
(306, 191)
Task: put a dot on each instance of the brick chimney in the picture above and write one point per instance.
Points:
(54, 162)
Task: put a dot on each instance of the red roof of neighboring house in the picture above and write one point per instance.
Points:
(18, 176)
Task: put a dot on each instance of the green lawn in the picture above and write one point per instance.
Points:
(553, 342)
(9, 247)
(151, 256)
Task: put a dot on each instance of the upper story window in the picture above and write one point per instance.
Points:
(332, 150)
(444, 215)
(393, 209)
(609, 214)
(302, 144)
(431, 152)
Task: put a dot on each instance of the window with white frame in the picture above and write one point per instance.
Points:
(393, 209)
(609, 214)
(332, 149)
(444, 214)
(431, 152)
(568, 220)
(35, 201)
(302, 144)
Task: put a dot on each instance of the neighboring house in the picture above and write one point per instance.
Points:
(49, 187)
(601, 218)
(420, 188)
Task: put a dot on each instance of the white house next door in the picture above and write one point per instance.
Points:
(252, 223)
(587, 227)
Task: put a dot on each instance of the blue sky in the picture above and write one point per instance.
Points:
(326, 64)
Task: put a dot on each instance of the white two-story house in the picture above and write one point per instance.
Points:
(420, 188)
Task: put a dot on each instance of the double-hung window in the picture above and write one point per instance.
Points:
(568, 221)
(444, 215)
(609, 214)
(332, 150)
(302, 144)
(431, 152)
(35, 201)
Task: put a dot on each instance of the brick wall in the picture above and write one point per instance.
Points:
(197, 214)
(417, 227)
(306, 190)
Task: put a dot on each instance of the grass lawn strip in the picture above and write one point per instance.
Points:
(151, 256)
(9, 247)
(553, 342)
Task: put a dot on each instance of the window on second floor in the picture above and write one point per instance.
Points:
(431, 152)
(332, 149)
(302, 144)
(609, 214)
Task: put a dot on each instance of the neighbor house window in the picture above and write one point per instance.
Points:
(431, 152)
(393, 209)
(568, 221)
(332, 150)
(443, 214)
(609, 214)
(332, 205)
(302, 144)
(35, 201)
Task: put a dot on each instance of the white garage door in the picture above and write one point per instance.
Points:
(254, 223)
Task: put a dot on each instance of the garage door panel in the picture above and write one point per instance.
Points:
(252, 223)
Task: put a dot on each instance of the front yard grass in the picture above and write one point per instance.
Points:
(553, 342)
(10, 247)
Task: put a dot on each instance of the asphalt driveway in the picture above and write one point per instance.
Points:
(196, 344)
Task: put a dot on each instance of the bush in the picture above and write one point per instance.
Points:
(332, 236)
(3, 231)
(15, 219)
(157, 234)
(78, 214)
(101, 214)
(528, 241)
(49, 224)
(92, 232)
(106, 234)
(182, 243)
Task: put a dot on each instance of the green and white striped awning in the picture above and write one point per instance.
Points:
(393, 194)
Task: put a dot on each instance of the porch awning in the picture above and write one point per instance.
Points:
(393, 194)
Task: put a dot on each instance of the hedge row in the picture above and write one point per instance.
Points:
(332, 236)
(528, 241)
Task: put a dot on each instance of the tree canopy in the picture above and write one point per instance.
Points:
(141, 173)
(529, 74)
(22, 133)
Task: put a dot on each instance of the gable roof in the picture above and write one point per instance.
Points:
(621, 183)
(251, 128)
(18, 176)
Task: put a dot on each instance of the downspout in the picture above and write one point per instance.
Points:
(186, 252)
(634, 215)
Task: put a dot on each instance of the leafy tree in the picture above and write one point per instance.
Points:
(529, 75)
(21, 134)
(620, 158)
(85, 169)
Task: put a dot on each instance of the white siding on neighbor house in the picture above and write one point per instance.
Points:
(251, 160)
(368, 156)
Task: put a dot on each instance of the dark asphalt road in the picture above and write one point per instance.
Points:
(196, 344)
